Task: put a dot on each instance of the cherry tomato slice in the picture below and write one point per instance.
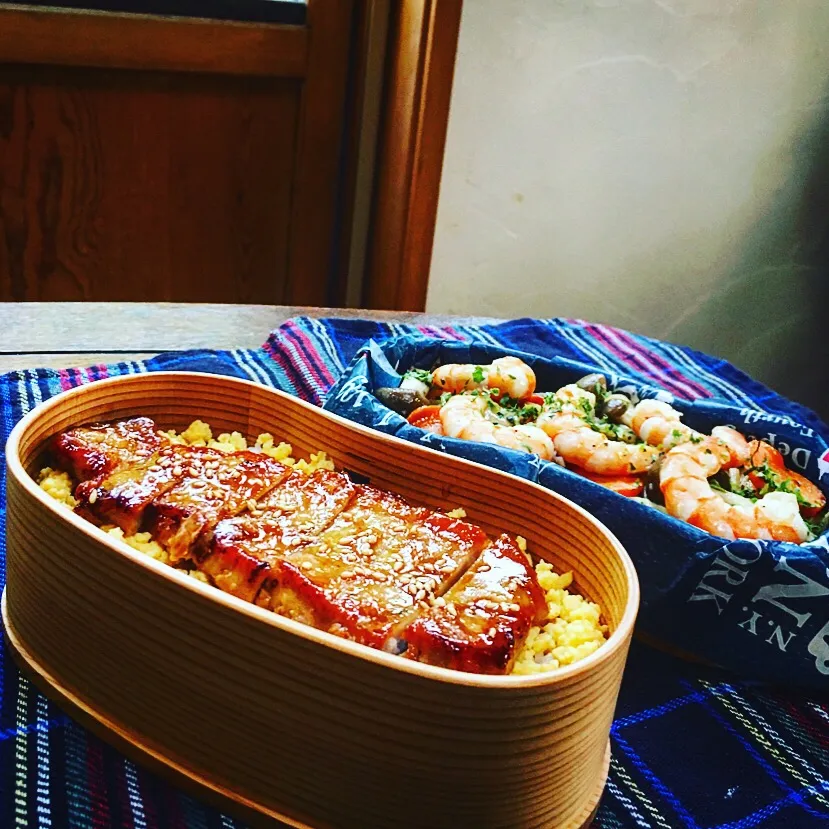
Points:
(428, 418)
(628, 485)
(761, 453)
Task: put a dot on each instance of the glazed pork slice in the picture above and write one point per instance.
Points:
(122, 496)
(481, 622)
(177, 484)
(379, 563)
(241, 551)
(100, 449)
(213, 486)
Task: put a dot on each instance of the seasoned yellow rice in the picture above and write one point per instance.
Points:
(573, 629)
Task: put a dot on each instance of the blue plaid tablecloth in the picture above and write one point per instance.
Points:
(691, 746)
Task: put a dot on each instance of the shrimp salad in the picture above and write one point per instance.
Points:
(720, 482)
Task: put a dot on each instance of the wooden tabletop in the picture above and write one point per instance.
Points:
(64, 334)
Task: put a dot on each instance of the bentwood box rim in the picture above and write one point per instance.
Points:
(619, 637)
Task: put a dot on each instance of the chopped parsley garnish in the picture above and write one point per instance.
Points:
(478, 375)
(444, 397)
(552, 403)
(818, 524)
(585, 406)
(775, 482)
(419, 374)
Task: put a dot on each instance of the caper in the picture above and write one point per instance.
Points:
(595, 383)
(653, 492)
(615, 406)
(402, 401)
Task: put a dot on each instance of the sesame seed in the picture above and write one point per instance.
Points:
(347, 574)
(398, 566)
(424, 605)
(93, 496)
(177, 470)
(420, 595)
(251, 504)
(440, 601)
(452, 610)
(492, 631)
(307, 565)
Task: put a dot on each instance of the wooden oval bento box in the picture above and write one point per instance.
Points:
(276, 719)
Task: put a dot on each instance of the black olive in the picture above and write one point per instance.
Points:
(723, 479)
(653, 491)
(595, 383)
(615, 406)
(402, 401)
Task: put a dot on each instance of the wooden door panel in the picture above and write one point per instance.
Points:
(120, 185)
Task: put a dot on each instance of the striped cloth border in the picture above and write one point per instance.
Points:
(692, 747)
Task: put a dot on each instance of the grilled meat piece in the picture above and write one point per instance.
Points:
(481, 622)
(241, 551)
(353, 560)
(92, 451)
(213, 486)
(377, 565)
(121, 497)
(178, 493)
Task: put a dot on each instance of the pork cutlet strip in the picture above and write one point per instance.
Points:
(89, 452)
(121, 497)
(214, 486)
(380, 562)
(178, 493)
(482, 621)
(241, 551)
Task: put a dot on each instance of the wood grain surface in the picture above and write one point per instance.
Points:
(126, 186)
(416, 114)
(317, 181)
(355, 732)
(170, 159)
(58, 335)
(104, 39)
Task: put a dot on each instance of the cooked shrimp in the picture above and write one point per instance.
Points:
(683, 479)
(565, 421)
(659, 424)
(738, 447)
(464, 416)
(766, 467)
(510, 375)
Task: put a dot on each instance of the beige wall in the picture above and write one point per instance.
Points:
(661, 165)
